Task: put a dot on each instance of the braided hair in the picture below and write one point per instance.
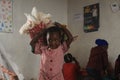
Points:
(68, 58)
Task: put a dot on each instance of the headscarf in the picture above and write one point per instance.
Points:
(101, 42)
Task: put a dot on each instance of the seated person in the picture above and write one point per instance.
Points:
(117, 68)
(98, 60)
(71, 68)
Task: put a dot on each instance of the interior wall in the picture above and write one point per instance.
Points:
(18, 45)
(109, 29)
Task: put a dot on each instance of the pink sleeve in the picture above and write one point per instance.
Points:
(65, 47)
(38, 48)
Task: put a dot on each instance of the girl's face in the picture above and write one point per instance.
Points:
(53, 40)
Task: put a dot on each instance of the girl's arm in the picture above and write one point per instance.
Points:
(69, 36)
(67, 33)
(35, 40)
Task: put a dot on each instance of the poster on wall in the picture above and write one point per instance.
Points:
(91, 18)
(5, 15)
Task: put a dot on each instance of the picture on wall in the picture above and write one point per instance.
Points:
(5, 15)
(91, 18)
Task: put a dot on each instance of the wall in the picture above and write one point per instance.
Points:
(18, 45)
(109, 29)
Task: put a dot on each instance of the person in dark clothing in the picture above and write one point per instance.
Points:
(117, 68)
(98, 60)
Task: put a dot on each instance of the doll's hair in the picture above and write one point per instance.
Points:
(68, 58)
(53, 29)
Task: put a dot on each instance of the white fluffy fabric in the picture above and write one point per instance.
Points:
(33, 19)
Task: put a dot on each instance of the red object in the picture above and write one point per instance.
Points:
(37, 28)
(70, 71)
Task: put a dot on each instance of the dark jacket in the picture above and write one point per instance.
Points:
(117, 66)
(98, 59)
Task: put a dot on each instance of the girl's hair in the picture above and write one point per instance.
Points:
(68, 58)
(52, 30)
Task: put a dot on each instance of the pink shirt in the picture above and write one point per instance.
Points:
(51, 59)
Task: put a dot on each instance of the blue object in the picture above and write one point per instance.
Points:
(101, 42)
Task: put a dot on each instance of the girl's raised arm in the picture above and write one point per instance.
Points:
(66, 32)
(69, 36)
(35, 39)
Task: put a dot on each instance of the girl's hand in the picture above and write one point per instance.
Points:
(66, 32)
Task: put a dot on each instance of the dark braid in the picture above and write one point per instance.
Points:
(68, 58)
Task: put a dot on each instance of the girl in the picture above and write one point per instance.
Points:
(52, 51)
